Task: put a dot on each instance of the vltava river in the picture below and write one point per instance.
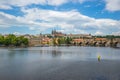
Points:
(60, 63)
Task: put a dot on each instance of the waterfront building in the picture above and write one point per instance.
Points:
(77, 36)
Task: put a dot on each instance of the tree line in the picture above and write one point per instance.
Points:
(12, 40)
(107, 36)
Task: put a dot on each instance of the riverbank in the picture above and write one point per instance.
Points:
(14, 46)
(53, 46)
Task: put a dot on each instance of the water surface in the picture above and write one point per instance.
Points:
(59, 63)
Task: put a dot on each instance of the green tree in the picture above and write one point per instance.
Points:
(68, 40)
(25, 41)
(54, 41)
(12, 40)
(1, 40)
(61, 40)
(21, 41)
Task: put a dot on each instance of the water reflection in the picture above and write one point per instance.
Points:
(12, 54)
(56, 53)
(81, 53)
(17, 52)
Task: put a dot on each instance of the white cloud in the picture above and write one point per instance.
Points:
(116, 33)
(99, 33)
(7, 4)
(16, 33)
(113, 5)
(7, 20)
(5, 7)
(68, 21)
(81, 1)
(56, 2)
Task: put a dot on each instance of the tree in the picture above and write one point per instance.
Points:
(25, 41)
(68, 40)
(61, 40)
(1, 40)
(55, 41)
(12, 40)
(21, 41)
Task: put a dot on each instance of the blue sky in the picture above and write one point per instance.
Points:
(97, 17)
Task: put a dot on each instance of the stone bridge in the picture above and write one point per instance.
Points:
(102, 42)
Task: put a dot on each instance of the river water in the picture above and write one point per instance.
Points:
(60, 63)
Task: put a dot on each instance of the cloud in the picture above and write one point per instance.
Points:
(81, 1)
(116, 33)
(7, 4)
(112, 5)
(56, 2)
(17, 33)
(7, 20)
(99, 33)
(5, 7)
(68, 21)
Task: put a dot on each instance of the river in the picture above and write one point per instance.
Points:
(60, 63)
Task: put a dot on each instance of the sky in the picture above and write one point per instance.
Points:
(96, 17)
